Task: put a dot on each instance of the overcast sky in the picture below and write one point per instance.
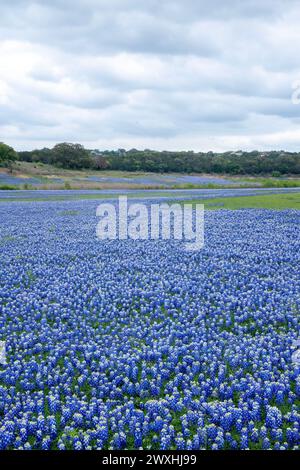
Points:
(161, 74)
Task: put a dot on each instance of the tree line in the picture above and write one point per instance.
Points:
(76, 157)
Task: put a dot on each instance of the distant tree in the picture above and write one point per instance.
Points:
(233, 163)
(44, 155)
(73, 156)
(25, 156)
(7, 156)
(99, 162)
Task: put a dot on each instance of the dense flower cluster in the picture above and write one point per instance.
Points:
(128, 344)
(158, 193)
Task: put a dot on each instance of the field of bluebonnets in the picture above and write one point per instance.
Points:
(124, 344)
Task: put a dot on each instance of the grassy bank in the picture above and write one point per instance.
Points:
(264, 201)
(29, 176)
(291, 182)
(72, 197)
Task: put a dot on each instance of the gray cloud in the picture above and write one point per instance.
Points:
(160, 74)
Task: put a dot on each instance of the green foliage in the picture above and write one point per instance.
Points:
(8, 187)
(230, 163)
(7, 155)
(75, 156)
(63, 155)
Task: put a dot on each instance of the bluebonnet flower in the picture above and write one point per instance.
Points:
(111, 342)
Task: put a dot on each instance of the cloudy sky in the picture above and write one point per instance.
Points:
(162, 74)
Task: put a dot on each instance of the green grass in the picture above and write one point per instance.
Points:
(211, 186)
(8, 187)
(69, 212)
(52, 177)
(7, 239)
(265, 201)
(270, 182)
(67, 197)
(280, 183)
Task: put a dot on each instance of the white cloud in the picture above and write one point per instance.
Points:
(165, 74)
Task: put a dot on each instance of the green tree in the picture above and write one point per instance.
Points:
(73, 156)
(7, 156)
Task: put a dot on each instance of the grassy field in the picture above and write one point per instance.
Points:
(264, 201)
(41, 176)
(272, 182)
(70, 196)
